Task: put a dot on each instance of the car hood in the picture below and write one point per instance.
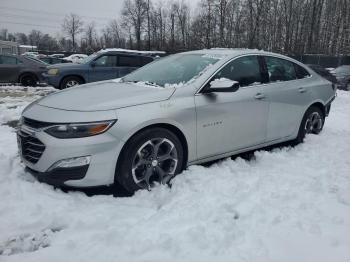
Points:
(105, 95)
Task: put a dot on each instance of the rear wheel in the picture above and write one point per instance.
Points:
(151, 157)
(28, 80)
(312, 123)
(70, 81)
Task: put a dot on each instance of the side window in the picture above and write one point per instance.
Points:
(245, 70)
(106, 61)
(8, 60)
(145, 60)
(130, 61)
(301, 71)
(280, 69)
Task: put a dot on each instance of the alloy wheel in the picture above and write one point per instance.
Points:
(71, 83)
(314, 123)
(155, 162)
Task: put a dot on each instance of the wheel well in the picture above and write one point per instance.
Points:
(320, 106)
(171, 128)
(27, 74)
(78, 76)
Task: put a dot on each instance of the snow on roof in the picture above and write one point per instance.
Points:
(29, 46)
(130, 51)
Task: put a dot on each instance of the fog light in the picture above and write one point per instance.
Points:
(71, 162)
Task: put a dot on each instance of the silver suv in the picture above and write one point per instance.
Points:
(181, 110)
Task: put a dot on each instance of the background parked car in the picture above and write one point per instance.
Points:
(21, 69)
(342, 73)
(76, 58)
(103, 65)
(54, 60)
(324, 73)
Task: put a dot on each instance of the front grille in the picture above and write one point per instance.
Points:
(35, 123)
(30, 147)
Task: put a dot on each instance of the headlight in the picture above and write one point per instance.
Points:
(53, 71)
(79, 130)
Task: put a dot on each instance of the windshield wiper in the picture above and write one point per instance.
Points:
(151, 84)
(143, 82)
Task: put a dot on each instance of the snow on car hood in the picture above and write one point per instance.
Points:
(105, 95)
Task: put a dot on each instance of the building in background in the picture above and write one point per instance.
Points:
(8, 47)
(27, 48)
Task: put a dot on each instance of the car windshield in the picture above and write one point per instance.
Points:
(36, 60)
(173, 70)
(88, 59)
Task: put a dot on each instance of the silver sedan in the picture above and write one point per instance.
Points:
(181, 110)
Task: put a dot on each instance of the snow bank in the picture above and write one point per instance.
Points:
(288, 204)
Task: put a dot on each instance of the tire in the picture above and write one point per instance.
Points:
(70, 81)
(28, 80)
(152, 156)
(312, 123)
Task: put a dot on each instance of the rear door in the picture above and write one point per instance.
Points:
(127, 64)
(103, 68)
(9, 69)
(288, 95)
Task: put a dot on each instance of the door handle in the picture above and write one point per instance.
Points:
(259, 96)
(302, 90)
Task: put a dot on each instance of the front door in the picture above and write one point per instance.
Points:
(231, 121)
(103, 68)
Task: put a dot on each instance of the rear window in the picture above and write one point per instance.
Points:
(8, 60)
(145, 60)
(301, 71)
(130, 61)
(280, 69)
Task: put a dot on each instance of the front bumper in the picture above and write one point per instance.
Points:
(57, 177)
(52, 80)
(103, 150)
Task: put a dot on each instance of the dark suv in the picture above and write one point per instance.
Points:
(21, 69)
(103, 65)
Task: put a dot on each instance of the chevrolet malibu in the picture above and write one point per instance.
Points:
(181, 110)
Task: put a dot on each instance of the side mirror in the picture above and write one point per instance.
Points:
(222, 85)
(93, 64)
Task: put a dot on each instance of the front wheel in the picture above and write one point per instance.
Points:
(151, 157)
(70, 81)
(312, 123)
(28, 80)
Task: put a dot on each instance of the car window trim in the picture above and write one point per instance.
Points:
(199, 91)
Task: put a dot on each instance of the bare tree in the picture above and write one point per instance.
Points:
(73, 26)
(134, 13)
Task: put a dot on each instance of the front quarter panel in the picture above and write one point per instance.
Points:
(178, 112)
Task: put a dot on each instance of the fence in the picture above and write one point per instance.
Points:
(323, 60)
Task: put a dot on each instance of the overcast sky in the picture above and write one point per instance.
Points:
(47, 15)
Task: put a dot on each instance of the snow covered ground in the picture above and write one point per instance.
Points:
(288, 204)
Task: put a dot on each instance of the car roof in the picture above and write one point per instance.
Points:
(232, 52)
